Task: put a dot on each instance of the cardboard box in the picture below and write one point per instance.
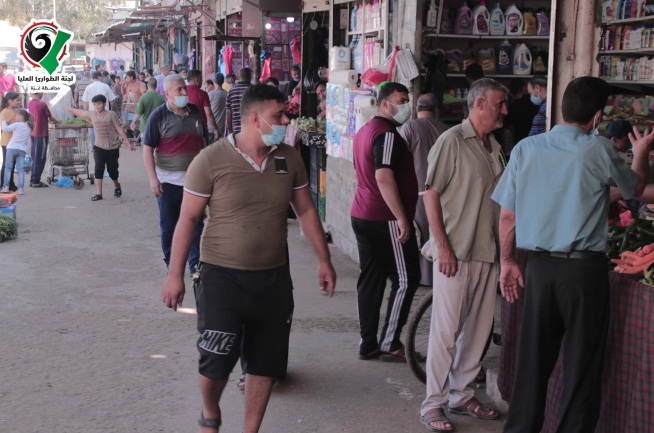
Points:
(11, 211)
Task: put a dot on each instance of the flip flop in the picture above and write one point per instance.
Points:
(96, 197)
(213, 423)
(118, 191)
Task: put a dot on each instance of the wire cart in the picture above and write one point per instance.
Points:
(126, 117)
(69, 153)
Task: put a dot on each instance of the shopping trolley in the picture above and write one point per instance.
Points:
(69, 153)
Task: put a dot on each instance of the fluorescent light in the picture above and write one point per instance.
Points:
(268, 26)
(290, 19)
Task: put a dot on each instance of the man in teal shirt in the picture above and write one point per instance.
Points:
(554, 195)
(146, 105)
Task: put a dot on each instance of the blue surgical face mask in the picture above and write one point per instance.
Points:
(181, 101)
(276, 136)
(536, 100)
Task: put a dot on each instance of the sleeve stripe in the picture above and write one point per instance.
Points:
(388, 148)
(303, 186)
(197, 193)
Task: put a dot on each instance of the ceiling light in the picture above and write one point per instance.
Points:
(290, 19)
(268, 26)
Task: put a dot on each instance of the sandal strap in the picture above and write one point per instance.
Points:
(436, 415)
(209, 422)
(474, 405)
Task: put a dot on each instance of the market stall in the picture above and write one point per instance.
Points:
(627, 395)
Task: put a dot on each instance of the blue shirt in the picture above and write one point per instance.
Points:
(557, 184)
(539, 124)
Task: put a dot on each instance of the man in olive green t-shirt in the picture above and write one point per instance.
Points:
(244, 296)
(146, 105)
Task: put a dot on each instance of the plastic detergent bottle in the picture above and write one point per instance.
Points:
(497, 26)
(504, 59)
(540, 62)
(446, 20)
(432, 14)
(486, 58)
(481, 18)
(529, 20)
(514, 22)
(522, 60)
(543, 23)
(463, 24)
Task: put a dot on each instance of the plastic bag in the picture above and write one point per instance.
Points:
(405, 67)
(382, 72)
(66, 182)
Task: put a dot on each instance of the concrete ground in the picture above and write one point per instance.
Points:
(88, 346)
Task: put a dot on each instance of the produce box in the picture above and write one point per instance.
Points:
(11, 211)
(7, 199)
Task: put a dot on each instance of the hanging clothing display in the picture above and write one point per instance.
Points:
(227, 52)
(266, 60)
(296, 50)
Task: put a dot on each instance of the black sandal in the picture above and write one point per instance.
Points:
(118, 191)
(210, 423)
(96, 197)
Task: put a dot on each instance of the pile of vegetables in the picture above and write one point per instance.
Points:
(76, 122)
(8, 227)
(310, 124)
(635, 262)
(636, 235)
(292, 109)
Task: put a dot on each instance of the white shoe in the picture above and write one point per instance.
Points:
(21, 191)
(5, 189)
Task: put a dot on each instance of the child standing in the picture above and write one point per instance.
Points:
(10, 103)
(17, 149)
(106, 149)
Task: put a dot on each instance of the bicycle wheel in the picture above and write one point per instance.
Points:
(417, 339)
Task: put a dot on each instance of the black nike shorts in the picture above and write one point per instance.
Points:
(244, 314)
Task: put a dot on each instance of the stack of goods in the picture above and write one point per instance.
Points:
(623, 9)
(639, 110)
(481, 21)
(8, 228)
(341, 91)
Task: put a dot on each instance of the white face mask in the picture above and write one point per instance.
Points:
(403, 113)
(595, 130)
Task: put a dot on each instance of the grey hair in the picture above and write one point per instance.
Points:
(169, 80)
(480, 88)
(427, 102)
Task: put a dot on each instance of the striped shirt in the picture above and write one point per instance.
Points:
(176, 140)
(80, 87)
(539, 124)
(234, 103)
(379, 145)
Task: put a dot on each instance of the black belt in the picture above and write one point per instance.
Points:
(569, 255)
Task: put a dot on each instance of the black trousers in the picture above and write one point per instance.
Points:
(2, 169)
(381, 256)
(566, 308)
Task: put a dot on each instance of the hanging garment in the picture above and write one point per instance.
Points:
(296, 50)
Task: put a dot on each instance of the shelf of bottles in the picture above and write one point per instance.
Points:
(495, 38)
(367, 36)
(626, 44)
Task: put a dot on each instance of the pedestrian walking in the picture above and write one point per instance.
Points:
(554, 196)
(17, 149)
(218, 99)
(200, 99)
(7, 80)
(172, 137)
(382, 218)
(80, 87)
(93, 89)
(234, 100)
(464, 166)
(106, 149)
(39, 152)
(244, 294)
(149, 102)
(420, 135)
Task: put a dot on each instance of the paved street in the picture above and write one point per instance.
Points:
(88, 346)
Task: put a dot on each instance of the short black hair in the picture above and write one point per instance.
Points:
(150, 71)
(194, 75)
(209, 82)
(122, 66)
(538, 80)
(97, 67)
(245, 74)
(388, 89)
(272, 80)
(152, 83)
(295, 68)
(474, 71)
(131, 74)
(232, 76)
(96, 75)
(219, 78)
(583, 97)
(258, 94)
(99, 98)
